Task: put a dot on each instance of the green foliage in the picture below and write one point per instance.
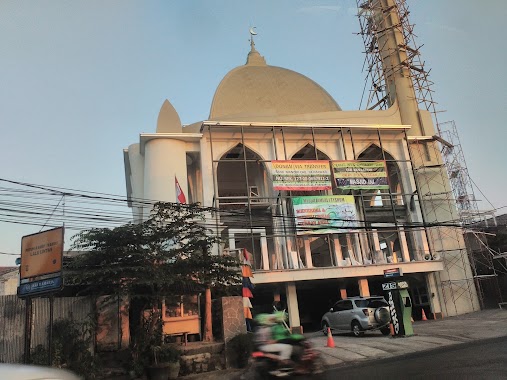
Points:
(167, 252)
(70, 348)
(239, 349)
(165, 353)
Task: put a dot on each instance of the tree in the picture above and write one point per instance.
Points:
(169, 253)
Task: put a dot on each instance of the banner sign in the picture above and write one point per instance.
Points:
(40, 269)
(325, 214)
(301, 175)
(364, 175)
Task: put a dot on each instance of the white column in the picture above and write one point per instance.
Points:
(292, 305)
(308, 252)
(403, 245)
(433, 294)
(136, 163)
(337, 250)
(165, 160)
(376, 246)
(350, 248)
(359, 252)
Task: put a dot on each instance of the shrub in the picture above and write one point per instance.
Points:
(70, 348)
(239, 349)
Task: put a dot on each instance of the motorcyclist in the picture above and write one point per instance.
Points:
(270, 336)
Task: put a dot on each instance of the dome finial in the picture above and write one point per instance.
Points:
(252, 43)
(254, 58)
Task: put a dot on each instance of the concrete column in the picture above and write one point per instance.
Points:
(165, 160)
(376, 245)
(433, 295)
(364, 289)
(357, 245)
(308, 252)
(350, 248)
(136, 164)
(365, 246)
(403, 245)
(338, 255)
(343, 293)
(293, 307)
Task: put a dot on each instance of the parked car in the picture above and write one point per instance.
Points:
(33, 372)
(358, 314)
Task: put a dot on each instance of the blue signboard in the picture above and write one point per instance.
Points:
(40, 286)
(394, 272)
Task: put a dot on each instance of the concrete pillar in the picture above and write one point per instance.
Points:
(364, 289)
(376, 246)
(308, 252)
(403, 245)
(363, 238)
(293, 307)
(343, 293)
(433, 295)
(350, 248)
(165, 160)
(338, 255)
(357, 245)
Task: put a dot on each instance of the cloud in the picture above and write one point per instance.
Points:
(320, 8)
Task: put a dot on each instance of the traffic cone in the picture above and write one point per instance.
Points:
(391, 329)
(423, 318)
(330, 341)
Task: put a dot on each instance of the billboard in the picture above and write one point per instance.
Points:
(41, 262)
(360, 175)
(325, 214)
(301, 175)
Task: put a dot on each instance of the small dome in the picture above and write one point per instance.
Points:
(168, 119)
(257, 89)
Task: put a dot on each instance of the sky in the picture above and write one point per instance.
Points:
(81, 79)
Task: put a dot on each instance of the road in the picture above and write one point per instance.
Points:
(485, 359)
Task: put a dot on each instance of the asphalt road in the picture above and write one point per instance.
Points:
(485, 359)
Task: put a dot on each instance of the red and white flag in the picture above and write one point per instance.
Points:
(180, 195)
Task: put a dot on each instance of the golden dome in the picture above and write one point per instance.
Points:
(257, 89)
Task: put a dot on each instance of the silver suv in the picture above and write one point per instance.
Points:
(358, 314)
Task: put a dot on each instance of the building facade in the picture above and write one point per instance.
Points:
(286, 173)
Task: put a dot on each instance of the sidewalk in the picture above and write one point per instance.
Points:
(429, 335)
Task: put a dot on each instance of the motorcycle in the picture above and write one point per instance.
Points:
(306, 362)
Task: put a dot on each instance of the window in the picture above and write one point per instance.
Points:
(182, 306)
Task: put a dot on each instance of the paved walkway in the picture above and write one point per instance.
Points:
(428, 335)
(373, 345)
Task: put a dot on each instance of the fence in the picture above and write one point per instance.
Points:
(12, 321)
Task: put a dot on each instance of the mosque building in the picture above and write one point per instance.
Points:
(324, 200)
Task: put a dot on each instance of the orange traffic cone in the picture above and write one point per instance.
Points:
(423, 318)
(391, 329)
(330, 341)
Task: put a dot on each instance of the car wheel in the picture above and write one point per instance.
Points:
(325, 326)
(385, 330)
(357, 330)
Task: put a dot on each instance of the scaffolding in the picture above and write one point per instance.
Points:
(444, 187)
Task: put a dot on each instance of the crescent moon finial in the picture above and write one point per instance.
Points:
(252, 31)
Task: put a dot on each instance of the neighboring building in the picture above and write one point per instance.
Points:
(9, 280)
(341, 243)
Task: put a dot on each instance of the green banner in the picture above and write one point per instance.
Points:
(325, 214)
(360, 175)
